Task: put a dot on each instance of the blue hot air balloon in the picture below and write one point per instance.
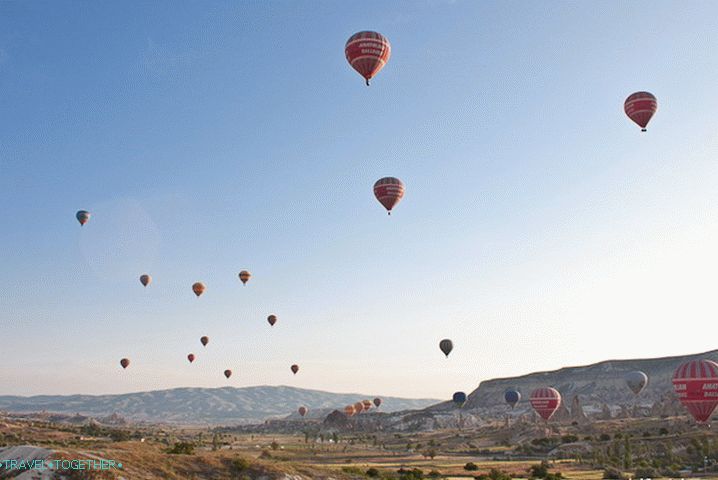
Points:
(512, 397)
(459, 398)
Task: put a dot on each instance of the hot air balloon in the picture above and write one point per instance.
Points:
(272, 319)
(446, 346)
(125, 362)
(377, 402)
(696, 383)
(367, 53)
(83, 216)
(459, 398)
(512, 397)
(228, 373)
(349, 410)
(244, 276)
(145, 280)
(190, 357)
(636, 381)
(295, 369)
(545, 401)
(302, 411)
(389, 191)
(204, 340)
(367, 405)
(358, 408)
(640, 107)
(198, 288)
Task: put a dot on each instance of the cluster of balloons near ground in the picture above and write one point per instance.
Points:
(695, 382)
(368, 52)
(351, 410)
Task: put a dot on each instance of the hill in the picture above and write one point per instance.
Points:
(201, 405)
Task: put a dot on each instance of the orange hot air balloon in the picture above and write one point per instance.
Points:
(272, 319)
(83, 216)
(377, 402)
(228, 373)
(125, 362)
(367, 52)
(367, 405)
(244, 276)
(349, 410)
(358, 408)
(204, 340)
(198, 288)
(389, 191)
(640, 107)
(295, 369)
(302, 411)
(145, 280)
(190, 357)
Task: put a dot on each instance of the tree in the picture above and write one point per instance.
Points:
(471, 467)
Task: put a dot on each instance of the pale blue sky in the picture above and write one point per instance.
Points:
(539, 229)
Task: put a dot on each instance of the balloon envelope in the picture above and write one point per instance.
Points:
(295, 369)
(244, 276)
(696, 384)
(125, 362)
(545, 401)
(302, 411)
(228, 373)
(367, 52)
(190, 357)
(640, 107)
(512, 397)
(636, 381)
(83, 216)
(459, 398)
(367, 405)
(358, 407)
(145, 279)
(204, 340)
(377, 402)
(389, 191)
(446, 346)
(349, 410)
(198, 288)
(272, 319)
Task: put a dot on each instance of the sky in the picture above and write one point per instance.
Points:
(540, 228)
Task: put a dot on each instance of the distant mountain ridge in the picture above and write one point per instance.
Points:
(224, 405)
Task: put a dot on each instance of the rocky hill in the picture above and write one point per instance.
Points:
(595, 390)
(225, 405)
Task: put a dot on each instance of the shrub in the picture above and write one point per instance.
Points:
(372, 472)
(569, 439)
(265, 455)
(646, 472)
(434, 474)
(240, 464)
(611, 473)
(471, 467)
(413, 474)
(663, 431)
(274, 445)
(182, 448)
(352, 470)
(539, 471)
(604, 437)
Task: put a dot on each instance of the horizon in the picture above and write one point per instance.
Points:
(540, 228)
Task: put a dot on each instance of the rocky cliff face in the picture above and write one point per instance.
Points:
(597, 388)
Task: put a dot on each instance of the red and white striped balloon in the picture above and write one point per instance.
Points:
(389, 191)
(640, 107)
(367, 53)
(545, 401)
(696, 384)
